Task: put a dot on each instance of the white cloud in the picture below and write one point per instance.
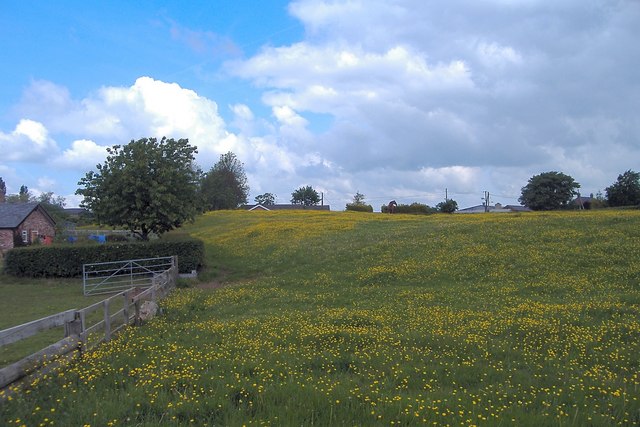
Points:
(83, 154)
(29, 141)
(46, 183)
(116, 115)
(495, 55)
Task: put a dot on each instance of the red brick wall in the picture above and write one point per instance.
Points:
(37, 222)
(6, 240)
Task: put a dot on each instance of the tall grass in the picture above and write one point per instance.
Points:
(363, 319)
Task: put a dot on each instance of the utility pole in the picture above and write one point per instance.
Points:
(487, 201)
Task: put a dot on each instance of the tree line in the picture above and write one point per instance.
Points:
(556, 190)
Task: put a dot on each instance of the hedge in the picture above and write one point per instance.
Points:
(359, 207)
(414, 208)
(67, 260)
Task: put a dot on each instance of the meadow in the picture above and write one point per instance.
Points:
(344, 318)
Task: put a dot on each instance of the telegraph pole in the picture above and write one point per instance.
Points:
(487, 200)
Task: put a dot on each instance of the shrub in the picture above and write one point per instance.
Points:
(414, 208)
(359, 207)
(67, 260)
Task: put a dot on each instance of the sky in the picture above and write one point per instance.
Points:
(405, 100)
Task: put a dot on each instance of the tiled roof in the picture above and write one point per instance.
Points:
(12, 214)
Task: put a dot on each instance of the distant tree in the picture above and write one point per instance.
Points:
(448, 206)
(549, 191)
(625, 191)
(306, 196)
(266, 199)
(24, 194)
(225, 185)
(49, 198)
(23, 197)
(54, 205)
(358, 198)
(147, 186)
(358, 204)
(3, 190)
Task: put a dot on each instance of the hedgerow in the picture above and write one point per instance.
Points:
(67, 260)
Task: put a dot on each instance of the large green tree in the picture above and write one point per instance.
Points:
(147, 186)
(549, 191)
(306, 196)
(625, 191)
(225, 185)
(448, 206)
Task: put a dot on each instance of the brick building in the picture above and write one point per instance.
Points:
(28, 222)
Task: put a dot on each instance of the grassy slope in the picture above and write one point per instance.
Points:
(359, 319)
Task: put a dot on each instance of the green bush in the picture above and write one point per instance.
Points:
(67, 260)
(414, 208)
(359, 207)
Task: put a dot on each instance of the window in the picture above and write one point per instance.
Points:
(25, 236)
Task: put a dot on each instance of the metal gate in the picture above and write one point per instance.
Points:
(116, 276)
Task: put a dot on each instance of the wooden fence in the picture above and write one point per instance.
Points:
(80, 334)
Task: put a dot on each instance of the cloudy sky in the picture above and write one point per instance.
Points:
(395, 99)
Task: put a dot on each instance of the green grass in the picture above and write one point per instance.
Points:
(370, 319)
(24, 300)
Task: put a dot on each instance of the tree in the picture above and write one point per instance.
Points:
(548, 191)
(23, 197)
(306, 196)
(266, 199)
(24, 194)
(225, 185)
(358, 199)
(448, 206)
(3, 190)
(358, 204)
(625, 191)
(147, 186)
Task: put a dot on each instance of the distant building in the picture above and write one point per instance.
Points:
(497, 208)
(280, 207)
(26, 223)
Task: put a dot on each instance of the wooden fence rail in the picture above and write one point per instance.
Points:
(78, 334)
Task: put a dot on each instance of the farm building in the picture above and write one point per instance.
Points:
(26, 223)
(497, 208)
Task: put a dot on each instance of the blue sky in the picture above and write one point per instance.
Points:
(395, 99)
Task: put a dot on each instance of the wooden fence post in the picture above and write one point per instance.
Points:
(125, 308)
(107, 321)
(83, 335)
(136, 304)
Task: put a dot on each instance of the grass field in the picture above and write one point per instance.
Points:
(24, 300)
(371, 319)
